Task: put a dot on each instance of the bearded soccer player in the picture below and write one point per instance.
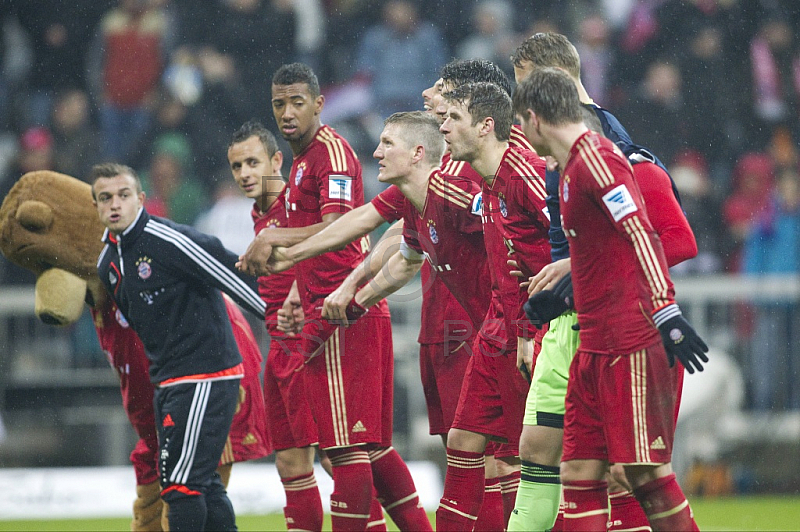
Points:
(622, 391)
(348, 371)
(515, 224)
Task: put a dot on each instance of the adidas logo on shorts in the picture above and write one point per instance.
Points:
(359, 427)
(658, 444)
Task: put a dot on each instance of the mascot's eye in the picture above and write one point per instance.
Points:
(34, 216)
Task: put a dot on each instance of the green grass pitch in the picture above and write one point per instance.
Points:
(728, 513)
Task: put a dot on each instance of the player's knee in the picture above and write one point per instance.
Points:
(464, 440)
(294, 462)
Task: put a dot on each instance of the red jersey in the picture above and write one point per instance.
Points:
(273, 288)
(325, 178)
(515, 226)
(665, 213)
(125, 353)
(619, 271)
(448, 232)
(442, 316)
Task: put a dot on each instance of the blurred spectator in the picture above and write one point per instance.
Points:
(77, 142)
(775, 67)
(492, 37)
(60, 33)
(690, 173)
(229, 217)
(400, 56)
(773, 247)
(133, 42)
(752, 183)
(348, 20)
(597, 57)
(783, 149)
(172, 191)
(309, 30)
(656, 116)
(256, 36)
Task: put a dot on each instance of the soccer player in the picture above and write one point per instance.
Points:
(620, 402)
(348, 371)
(255, 162)
(441, 220)
(540, 446)
(445, 326)
(165, 279)
(515, 223)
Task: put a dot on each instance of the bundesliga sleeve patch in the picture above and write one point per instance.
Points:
(619, 202)
(340, 187)
(477, 204)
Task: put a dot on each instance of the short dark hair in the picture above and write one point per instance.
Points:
(591, 120)
(484, 99)
(297, 73)
(549, 50)
(107, 170)
(551, 94)
(463, 71)
(254, 128)
(422, 128)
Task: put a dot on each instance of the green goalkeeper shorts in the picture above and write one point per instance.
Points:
(545, 405)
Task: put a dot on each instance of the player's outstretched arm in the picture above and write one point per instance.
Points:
(255, 260)
(337, 302)
(350, 226)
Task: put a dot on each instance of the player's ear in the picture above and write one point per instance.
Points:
(419, 153)
(319, 103)
(487, 126)
(277, 162)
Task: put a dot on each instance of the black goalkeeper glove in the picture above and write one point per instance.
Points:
(547, 305)
(680, 339)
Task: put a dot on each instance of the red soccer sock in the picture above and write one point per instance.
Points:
(463, 491)
(352, 488)
(376, 523)
(509, 484)
(397, 491)
(665, 504)
(626, 513)
(303, 508)
(490, 518)
(585, 505)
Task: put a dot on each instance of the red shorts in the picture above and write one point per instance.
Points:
(621, 409)
(493, 395)
(349, 385)
(248, 438)
(288, 413)
(442, 373)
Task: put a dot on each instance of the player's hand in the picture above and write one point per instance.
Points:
(290, 315)
(525, 357)
(551, 163)
(680, 339)
(516, 271)
(545, 306)
(548, 277)
(279, 260)
(334, 309)
(254, 261)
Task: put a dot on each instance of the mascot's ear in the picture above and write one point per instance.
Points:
(34, 216)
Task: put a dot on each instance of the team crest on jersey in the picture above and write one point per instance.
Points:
(301, 168)
(432, 231)
(565, 191)
(143, 268)
(503, 207)
(273, 223)
(121, 319)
